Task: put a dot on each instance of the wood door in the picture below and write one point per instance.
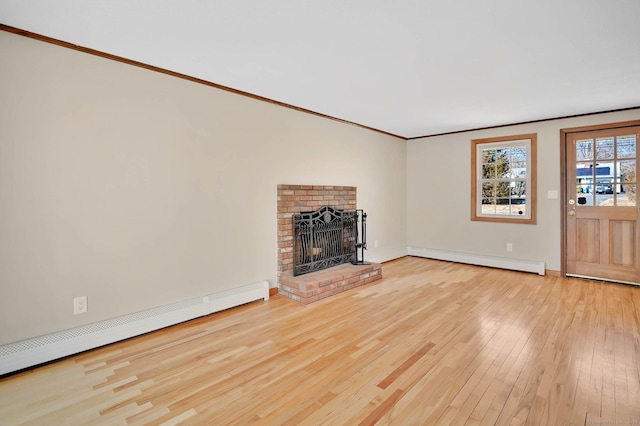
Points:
(602, 232)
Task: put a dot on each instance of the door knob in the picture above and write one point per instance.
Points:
(572, 213)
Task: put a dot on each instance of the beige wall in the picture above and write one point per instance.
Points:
(438, 194)
(138, 189)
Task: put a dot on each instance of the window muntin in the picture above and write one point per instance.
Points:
(605, 171)
(504, 179)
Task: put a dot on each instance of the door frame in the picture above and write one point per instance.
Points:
(564, 133)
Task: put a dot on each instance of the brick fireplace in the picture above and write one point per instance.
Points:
(308, 288)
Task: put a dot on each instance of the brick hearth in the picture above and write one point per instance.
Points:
(294, 199)
(318, 285)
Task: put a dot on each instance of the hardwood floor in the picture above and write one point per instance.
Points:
(432, 343)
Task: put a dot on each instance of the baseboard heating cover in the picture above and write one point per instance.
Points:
(27, 353)
(386, 255)
(481, 260)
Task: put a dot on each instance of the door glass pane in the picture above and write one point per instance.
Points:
(627, 196)
(583, 186)
(604, 148)
(584, 177)
(627, 146)
(584, 149)
(604, 186)
(628, 171)
(604, 199)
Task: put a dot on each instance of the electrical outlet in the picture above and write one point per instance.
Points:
(79, 305)
(509, 247)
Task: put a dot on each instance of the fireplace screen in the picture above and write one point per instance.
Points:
(323, 238)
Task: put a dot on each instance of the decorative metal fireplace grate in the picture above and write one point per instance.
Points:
(324, 238)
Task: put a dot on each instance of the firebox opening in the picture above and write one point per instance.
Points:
(327, 237)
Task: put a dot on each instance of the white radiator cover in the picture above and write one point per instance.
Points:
(481, 260)
(27, 353)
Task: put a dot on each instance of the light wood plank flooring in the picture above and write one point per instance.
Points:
(432, 343)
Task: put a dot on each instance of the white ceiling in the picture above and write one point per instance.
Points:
(407, 67)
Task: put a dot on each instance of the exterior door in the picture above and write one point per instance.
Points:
(602, 232)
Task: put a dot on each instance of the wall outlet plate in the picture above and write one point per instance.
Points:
(79, 305)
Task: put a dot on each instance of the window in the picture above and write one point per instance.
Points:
(605, 169)
(503, 179)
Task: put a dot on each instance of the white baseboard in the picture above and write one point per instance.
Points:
(386, 255)
(27, 353)
(481, 260)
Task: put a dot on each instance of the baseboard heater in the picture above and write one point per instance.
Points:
(481, 260)
(28, 353)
